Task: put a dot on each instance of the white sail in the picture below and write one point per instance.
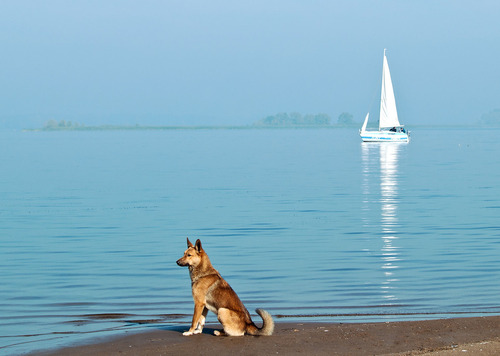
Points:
(388, 112)
(363, 128)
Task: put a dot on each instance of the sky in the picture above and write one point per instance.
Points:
(223, 62)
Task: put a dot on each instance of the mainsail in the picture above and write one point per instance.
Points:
(388, 112)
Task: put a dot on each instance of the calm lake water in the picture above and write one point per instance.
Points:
(311, 225)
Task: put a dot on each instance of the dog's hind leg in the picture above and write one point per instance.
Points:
(231, 322)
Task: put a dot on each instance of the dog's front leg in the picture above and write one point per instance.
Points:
(201, 321)
(198, 314)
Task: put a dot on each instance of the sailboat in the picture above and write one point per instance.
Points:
(389, 128)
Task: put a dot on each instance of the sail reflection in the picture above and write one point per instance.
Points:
(383, 159)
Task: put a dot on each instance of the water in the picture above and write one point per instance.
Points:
(311, 225)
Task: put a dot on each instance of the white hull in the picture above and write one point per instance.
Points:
(384, 136)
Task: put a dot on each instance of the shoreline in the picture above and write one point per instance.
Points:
(471, 335)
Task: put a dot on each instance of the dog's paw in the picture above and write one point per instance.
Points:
(217, 333)
(197, 331)
(187, 333)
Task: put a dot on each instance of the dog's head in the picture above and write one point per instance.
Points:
(192, 256)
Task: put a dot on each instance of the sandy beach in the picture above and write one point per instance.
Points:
(461, 336)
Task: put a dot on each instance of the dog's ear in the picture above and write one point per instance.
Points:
(198, 245)
(189, 243)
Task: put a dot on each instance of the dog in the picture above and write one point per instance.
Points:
(212, 292)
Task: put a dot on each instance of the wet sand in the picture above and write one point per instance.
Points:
(463, 336)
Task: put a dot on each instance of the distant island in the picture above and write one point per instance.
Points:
(490, 119)
(280, 120)
(295, 119)
(63, 125)
(298, 120)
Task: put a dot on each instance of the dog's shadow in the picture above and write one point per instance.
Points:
(158, 324)
(207, 330)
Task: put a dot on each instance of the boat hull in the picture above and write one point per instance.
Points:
(384, 136)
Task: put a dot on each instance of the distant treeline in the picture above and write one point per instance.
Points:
(297, 119)
(279, 120)
(490, 119)
(62, 124)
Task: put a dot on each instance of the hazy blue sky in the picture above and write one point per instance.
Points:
(234, 62)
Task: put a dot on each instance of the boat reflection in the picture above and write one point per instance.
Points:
(382, 160)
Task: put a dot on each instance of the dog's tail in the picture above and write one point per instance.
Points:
(267, 326)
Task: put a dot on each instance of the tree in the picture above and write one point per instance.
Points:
(345, 119)
(492, 118)
(322, 119)
(50, 125)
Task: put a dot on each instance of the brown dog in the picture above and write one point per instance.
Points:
(212, 292)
